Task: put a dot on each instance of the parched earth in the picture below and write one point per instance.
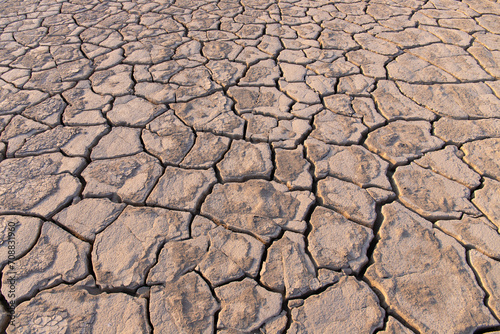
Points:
(253, 166)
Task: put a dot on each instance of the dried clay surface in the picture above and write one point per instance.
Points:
(250, 166)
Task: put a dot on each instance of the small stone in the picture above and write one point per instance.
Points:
(121, 141)
(39, 185)
(167, 138)
(73, 308)
(393, 105)
(206, 151)
(432, 195)
(413, 256)
(130, 178)
(182, 189)
(353, 163)
(130, 110)
(246, 160)
(115, 81)
(447, 162)
(349, 199)
(488, 201)
(47, 112)
(462, 101)
(245, 305)
(26, 231)
(336, 242)
(477, 233)
(212, 113)
(288, 268)
(125, 251)
(488, 271)
(338, 310)
(484, 156)
(89, 216)
(230, 257)
(293, 169)
(337, 129)
(458, 132)
(183, 306)
(401, 141)
(56, 257)
(258, 207)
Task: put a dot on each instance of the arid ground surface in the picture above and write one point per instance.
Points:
(253, 166)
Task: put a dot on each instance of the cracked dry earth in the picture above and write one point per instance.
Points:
(196, 166)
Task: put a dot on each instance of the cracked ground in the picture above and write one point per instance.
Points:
(253, 166)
